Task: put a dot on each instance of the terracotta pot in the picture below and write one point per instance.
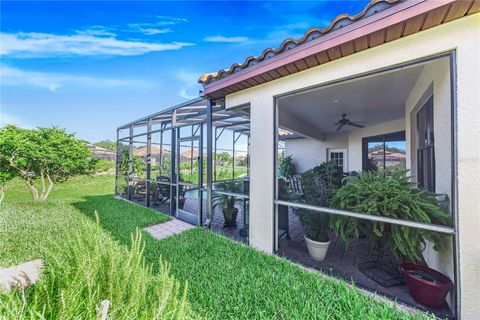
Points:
(230, 217)
(427, 286)
(317, 250)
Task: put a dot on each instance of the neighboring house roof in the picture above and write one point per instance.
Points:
(95, 149)
(142, 152)
(102, 153)
(379, 22)
(378, 155)
(189, 154)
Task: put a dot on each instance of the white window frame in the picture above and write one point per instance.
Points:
(345, 156)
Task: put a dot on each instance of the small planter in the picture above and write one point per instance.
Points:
(230, 216)
(427, 286)
(317, 250)
(181, 202)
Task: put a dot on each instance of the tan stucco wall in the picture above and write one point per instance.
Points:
(261, 180)
(462, 35)
(307, 152)
(434, 79)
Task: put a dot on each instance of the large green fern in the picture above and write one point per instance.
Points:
(390, 195)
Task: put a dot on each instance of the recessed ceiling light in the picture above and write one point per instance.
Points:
(335, 101)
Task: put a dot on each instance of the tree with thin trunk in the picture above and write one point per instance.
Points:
(5, 176)
(43, 157)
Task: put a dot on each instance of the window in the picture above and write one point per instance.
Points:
(425, 147)
(384, 151)
(339, 156)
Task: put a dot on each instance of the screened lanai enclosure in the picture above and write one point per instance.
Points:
(352, 161)
(191, 162)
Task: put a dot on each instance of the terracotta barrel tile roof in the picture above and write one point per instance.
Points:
(380, 22)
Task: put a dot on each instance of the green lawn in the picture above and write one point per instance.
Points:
(224, 279)
(84, 263)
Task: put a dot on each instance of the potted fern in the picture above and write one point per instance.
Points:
(393, 195)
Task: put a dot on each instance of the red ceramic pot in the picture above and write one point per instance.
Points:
(427, 286)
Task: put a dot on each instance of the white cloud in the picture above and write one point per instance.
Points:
(226, 39)
(168, 20)
(97, 30)
(158, 26)
(152, 31)
(31, 44)
(54, 81)
(6, 119)
(190, 87)
(146, 28)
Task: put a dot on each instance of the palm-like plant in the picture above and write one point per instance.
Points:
(227, 202)
(287, 167)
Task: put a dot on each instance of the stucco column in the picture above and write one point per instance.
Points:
(261, 173)
(468, 143)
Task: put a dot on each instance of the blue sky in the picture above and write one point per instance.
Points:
(92, 66)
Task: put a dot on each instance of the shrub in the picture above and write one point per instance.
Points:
(48, 154)
(139, 165)
(392, 196)
(87, 267)
(104, 165)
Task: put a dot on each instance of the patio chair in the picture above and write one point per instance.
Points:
(283, 220)
(163, 189)
(296, 184)
(138, 189)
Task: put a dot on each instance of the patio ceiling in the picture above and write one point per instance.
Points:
(381, 21)
(372, 100)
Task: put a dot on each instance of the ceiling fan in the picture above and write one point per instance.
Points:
(346, 122)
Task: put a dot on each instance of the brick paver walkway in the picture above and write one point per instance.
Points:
(169, 228)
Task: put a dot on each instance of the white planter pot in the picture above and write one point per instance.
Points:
(317, 250)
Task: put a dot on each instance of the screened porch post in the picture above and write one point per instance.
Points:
(116, 162)
(173, 181)
(160, 162)
(215, 153)
(130, 161)
(209, 160)
(191, 151)
(233, 156)
(149, 157)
